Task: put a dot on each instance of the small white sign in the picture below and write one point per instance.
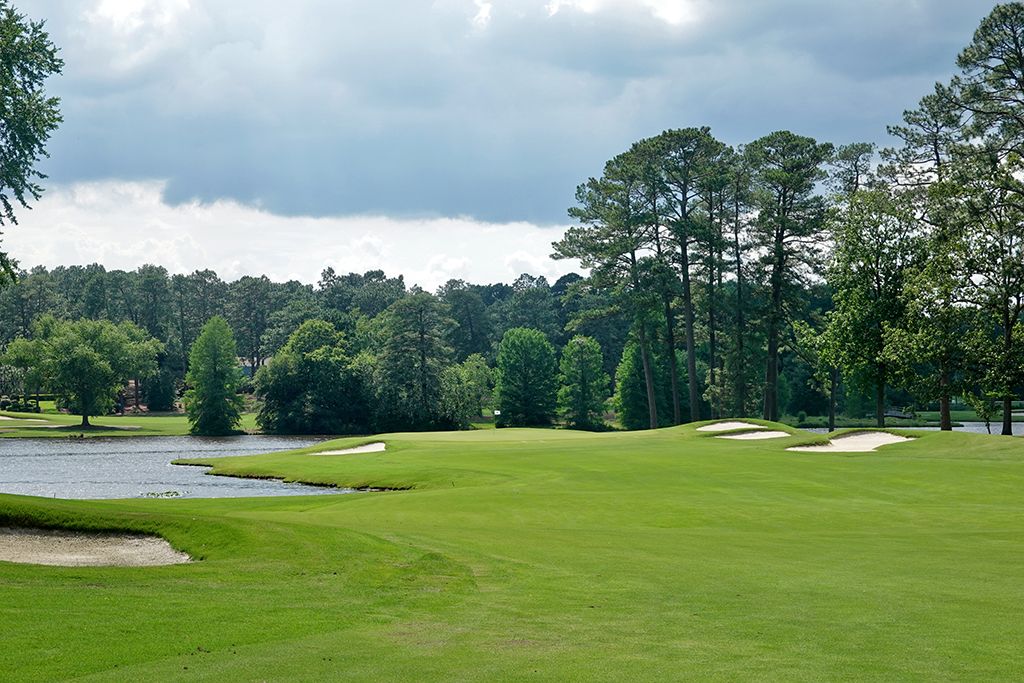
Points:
(497, 412)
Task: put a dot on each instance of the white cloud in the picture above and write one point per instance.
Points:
(126, 224)
(483, 13)
(675, 12)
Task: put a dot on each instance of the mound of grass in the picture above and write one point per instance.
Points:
(553, 555)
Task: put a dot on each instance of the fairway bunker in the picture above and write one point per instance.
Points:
(858, 442)
(63, 548)
(377, 447)
(728, 426)
(755, 435)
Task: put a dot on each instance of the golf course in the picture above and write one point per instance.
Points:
(538, 554)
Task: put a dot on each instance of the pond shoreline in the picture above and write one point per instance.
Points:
(142, 467)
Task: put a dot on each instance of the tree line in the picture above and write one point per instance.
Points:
(919, 249)
(785, 275)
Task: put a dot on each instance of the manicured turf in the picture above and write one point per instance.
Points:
(61, 425)
(555, 556)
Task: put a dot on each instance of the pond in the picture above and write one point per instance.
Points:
(973, 427)
(133, 467)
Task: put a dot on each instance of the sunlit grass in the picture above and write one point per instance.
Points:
(554, 555)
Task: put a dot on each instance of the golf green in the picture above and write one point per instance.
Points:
(553, 555)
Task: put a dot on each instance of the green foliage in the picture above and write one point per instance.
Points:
(630, 398)
(458, 400)
(584, 384)
(876, 248)
(526, 384)
(161, 391)
(531, 305)
(412, 359)
(312, 385)
(481, 380)
(85, 362)
(212, 402)
(786, 169)
(27, 59)
(473, 327)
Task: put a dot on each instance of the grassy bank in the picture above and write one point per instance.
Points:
(53, 424)
(554, 555)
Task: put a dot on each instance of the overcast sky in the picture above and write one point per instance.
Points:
(436, 139)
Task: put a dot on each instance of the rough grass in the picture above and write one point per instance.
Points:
(554, 555)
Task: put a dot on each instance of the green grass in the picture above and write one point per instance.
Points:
(553, 555)
(55, 424)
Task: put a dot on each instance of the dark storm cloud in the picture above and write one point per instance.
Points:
(415, 109)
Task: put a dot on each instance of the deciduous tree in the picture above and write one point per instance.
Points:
(29, 115)
(584, 384)
(527, 379)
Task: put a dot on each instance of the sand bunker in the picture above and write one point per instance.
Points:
(727, 426)
(365, 448)
(62, 548)
(21, 419)
(754, 435)
(858, 442)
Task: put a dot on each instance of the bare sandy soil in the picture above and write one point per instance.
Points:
(727, 426)
(754, 435)
(83, 549)
(858, 442)
(365, 448)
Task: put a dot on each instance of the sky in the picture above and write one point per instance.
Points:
(438, 139)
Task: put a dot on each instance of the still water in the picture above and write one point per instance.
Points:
(973, 427)
(132, 467)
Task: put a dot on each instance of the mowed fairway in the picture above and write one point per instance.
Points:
(558, 556)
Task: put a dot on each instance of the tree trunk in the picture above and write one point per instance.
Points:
(712, 343)
(880, 403)
(833, 389)
(741, 381)
(85, 421)
(945, 420)
(1008, 321)
(670, 345)
(645, 357)
(771, 372)
(691, 351)
(1007, 416)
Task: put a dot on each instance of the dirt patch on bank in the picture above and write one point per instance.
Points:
(61, 548)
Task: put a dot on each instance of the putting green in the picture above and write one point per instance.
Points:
(553, 555)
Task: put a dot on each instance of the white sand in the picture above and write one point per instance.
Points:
(754, 435)
(365, 448)
(727, 426)
(83, 549)
(21, 419)
(858, 442)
